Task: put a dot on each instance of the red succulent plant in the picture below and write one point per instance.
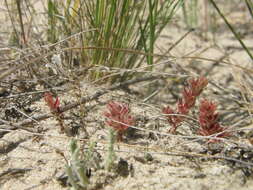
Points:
(208, 120)
(54, 105)
(190, 94)
(118, 117)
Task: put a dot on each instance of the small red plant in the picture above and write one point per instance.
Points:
(208, 120)
(54, 105)
(118, 117)
(190, 94)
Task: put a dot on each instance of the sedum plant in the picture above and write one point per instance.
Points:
(208, 120)
(208, 117)
(54, 106)
(119, 118)
(190, 94)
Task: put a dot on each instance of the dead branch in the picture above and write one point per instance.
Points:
(84, 100)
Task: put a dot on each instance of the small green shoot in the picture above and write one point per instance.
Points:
(111, 157)
(78, 165)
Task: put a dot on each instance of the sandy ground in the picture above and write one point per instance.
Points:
(154, 161)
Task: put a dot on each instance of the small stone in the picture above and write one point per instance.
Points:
(3, 92)
(122, 168)
(148, 157)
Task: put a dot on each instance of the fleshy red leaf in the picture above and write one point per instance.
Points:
(54, 105)
(208, 120)
(118, 117)
(189, 96)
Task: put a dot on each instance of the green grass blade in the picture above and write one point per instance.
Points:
(250, 7)
(232, 29)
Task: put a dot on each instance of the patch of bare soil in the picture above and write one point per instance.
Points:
(34, 156)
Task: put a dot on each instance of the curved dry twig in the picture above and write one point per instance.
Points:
(84, 100)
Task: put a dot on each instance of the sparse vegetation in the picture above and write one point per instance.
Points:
(183, 67)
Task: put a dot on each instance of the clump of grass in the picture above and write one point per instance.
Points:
(119, 26)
